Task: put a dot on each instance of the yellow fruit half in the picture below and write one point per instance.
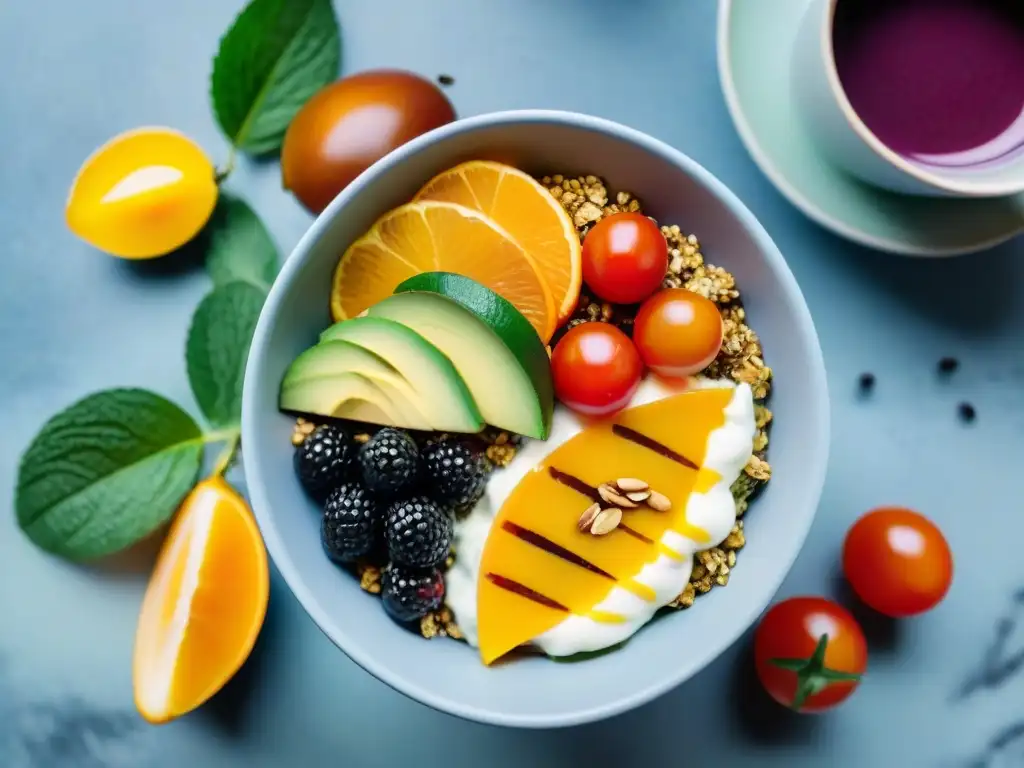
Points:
(204, 606)
(142, 194)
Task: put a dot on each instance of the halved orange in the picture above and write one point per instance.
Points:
(204, 606)
(528, 212)
(435, 236)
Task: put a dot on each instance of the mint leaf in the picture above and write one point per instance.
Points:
(106, 472)
(240, 247)
(275, 56)
(218, 347)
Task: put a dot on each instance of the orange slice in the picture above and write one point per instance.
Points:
(434, 236)
(204, 605)
(525, 210)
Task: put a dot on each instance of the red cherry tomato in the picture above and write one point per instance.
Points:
(625, 258)
(810, 653)
(596, 369)
(678, 332)
(897, 561)
(352, 123)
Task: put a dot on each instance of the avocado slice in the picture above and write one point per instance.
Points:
(345, 396)
(332, 360)
(441, 394)
(497, 351)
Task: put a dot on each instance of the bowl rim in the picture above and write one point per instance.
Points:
(814, 477)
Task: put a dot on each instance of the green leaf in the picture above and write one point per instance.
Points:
(240, 247)
(106, 472)
(275, 56)
(218, 347)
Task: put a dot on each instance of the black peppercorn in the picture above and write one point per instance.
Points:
(967, 412)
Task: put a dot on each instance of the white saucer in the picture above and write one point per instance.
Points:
(754, 37)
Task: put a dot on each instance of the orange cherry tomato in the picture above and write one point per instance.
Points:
(678, 332)
(897, 561)
(810, 653)
(351, 124)
(625, 258)
(596, 369)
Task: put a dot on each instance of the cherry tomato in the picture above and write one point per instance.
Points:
(596, 369)
(897, 561)
(625, 258)
(810, 653)
(678, 332)
(350, 124)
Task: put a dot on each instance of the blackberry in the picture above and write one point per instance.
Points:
(411, 593)
(351, 525)
(457, 475)
(323, 460)
(419, 532)
(390, 462)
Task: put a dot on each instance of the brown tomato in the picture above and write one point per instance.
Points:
(350, 124)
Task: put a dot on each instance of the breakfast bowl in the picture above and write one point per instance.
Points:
(533, 690)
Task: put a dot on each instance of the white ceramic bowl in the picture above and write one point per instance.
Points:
(538, 692)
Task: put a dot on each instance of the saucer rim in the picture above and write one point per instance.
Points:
(797, 198)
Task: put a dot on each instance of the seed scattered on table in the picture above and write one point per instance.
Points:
(967, 412)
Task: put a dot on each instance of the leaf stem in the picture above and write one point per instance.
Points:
(227, 455)
(228, 434)
(222, 174)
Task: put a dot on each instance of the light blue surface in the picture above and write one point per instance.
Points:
(72, 321)
(534, 692)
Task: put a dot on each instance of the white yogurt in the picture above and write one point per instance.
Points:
(728, 449)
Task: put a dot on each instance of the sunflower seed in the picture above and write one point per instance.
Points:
(611, 496)
(587, 518)
(631, 484)
(659, 502)
(606, 521)
(639, 496)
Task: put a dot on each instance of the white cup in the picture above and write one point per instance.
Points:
(850, 144)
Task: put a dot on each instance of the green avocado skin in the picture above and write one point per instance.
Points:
(508, 324)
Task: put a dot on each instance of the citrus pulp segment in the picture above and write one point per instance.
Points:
(204, 606)
(528, 212)
(429, 236)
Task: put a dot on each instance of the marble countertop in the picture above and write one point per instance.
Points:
(945, 689)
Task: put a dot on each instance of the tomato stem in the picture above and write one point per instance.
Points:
(812, 676)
